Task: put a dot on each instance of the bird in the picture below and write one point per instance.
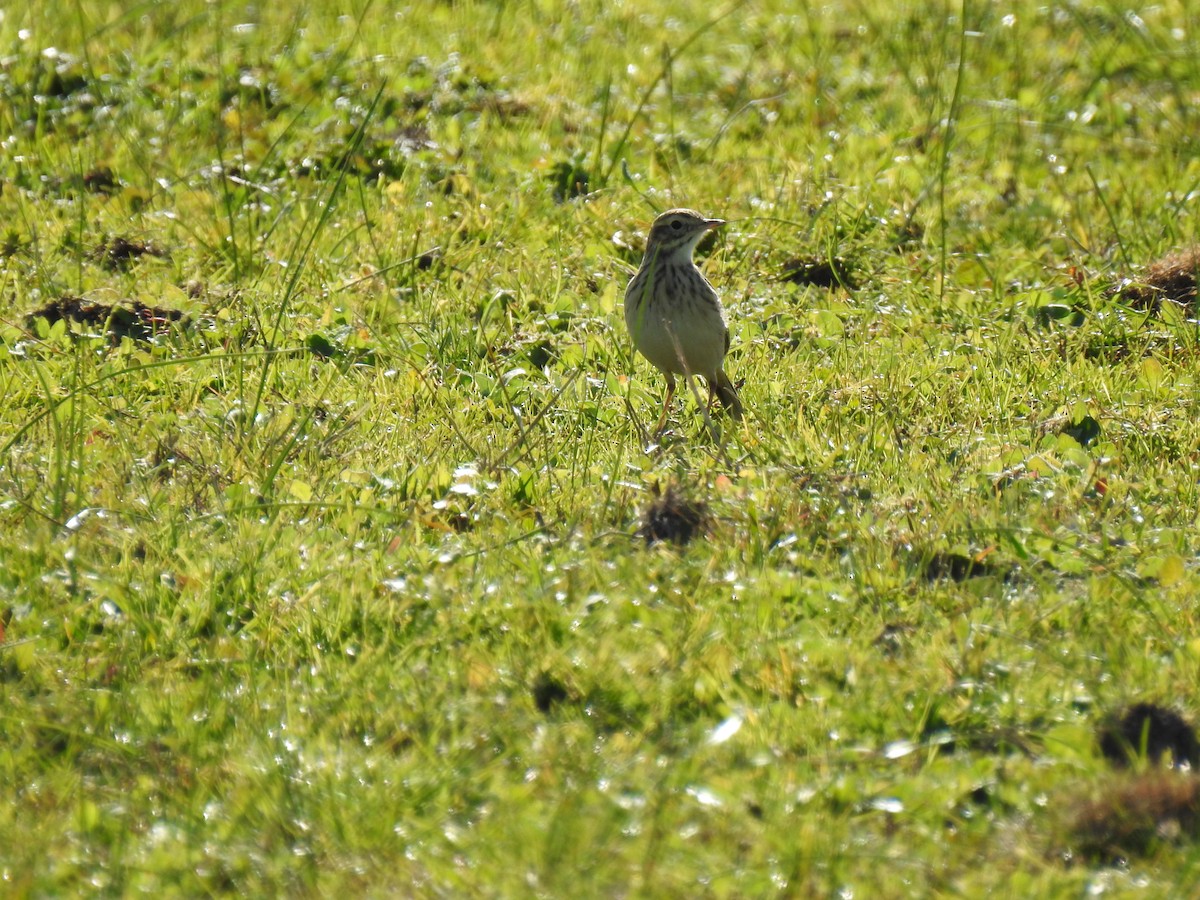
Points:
(674, 316)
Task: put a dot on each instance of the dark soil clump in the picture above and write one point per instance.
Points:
(673, 517)
(120, 252)
(138, 321)
(1155, 729)
(1132, 818)
(1171, 279)
(820, 271)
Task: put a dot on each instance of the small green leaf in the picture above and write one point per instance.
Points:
(828, 324)
(1152, 373)
(1171, 571)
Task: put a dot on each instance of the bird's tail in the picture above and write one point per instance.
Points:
(723, 388)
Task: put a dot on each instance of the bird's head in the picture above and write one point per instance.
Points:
(676, 232)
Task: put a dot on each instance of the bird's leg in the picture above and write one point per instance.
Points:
(666, 403)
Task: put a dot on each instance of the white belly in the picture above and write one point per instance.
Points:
(676, 338)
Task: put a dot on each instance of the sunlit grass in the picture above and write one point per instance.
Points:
(338, 586)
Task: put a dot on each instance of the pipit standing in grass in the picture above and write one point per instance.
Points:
(673, 314)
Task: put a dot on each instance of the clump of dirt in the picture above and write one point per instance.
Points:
(549, 692)
(1152, 728)
(429, 259)
(1171, 279)
(820, 271)
(120, 252)
(137, 321)
(1131, 818)
(569, 180)
(673, 517)
(942, 565)
(100, 180)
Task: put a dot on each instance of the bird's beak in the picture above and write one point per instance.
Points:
(710, 224)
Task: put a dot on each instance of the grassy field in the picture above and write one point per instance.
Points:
(326, 465)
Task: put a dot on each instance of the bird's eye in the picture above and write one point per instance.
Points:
(676, 225)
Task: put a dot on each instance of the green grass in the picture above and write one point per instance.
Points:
(338, 589)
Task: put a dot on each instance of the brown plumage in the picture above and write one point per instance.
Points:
(674, 316)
